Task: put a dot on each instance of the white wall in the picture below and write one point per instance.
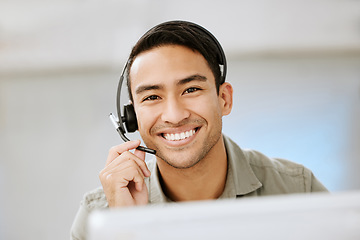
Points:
(295, 68)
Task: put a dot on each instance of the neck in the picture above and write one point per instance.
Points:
(203, 181)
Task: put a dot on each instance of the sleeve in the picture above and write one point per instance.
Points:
(312, 184)
(316, 185)
(92, 200)
(78, 228)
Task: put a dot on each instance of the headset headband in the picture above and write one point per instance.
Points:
(220, 54)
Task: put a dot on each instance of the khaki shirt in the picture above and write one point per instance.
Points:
(250, 173)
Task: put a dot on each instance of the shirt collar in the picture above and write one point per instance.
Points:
(240, 179)
(156, 195)
(240, 174)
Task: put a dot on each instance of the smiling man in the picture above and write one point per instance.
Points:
(176, 74)
(175, 95)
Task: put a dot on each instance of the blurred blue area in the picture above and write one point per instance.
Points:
(311, 119)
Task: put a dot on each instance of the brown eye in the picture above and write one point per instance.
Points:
(191, 90)
(151, 98)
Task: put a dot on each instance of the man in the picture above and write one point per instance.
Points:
(176, 85)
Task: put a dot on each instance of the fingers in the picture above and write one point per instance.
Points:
(140, 154)
(122, 159)
(123, 181)
(123, 175)
(119, 149)
(119, 176)
(128, 166)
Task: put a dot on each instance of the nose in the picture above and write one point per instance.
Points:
(174, 111)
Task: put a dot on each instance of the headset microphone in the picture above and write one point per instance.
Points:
(121, 132)
(129, 118)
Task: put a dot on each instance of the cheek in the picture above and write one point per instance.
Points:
(146, 117)
(206, 108)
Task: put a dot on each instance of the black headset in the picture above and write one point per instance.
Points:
(129, 117)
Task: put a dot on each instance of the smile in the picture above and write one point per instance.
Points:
(179, 136)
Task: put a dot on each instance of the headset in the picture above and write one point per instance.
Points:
(129, 117)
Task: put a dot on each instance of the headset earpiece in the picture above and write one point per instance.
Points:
(129, 118)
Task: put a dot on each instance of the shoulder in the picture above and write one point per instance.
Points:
(280, 175)
(282, 166)
(258, 160)
(276, 175)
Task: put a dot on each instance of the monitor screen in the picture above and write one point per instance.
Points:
(298, 216)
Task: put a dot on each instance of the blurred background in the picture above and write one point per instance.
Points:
(294, 65)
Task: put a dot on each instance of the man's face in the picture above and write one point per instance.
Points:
(178, 109)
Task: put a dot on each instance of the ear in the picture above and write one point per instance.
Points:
(226, 98)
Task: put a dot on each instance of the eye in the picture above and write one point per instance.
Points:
(192, 89)
(151, 98)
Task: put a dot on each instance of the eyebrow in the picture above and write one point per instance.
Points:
(195, 77)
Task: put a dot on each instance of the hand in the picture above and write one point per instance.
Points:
(123, 176)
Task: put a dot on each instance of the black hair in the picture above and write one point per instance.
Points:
(185, 34)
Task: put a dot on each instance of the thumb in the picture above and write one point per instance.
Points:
(140, 154)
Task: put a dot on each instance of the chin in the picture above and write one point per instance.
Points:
(188, 159)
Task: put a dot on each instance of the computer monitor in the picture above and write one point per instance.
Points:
(298, 216)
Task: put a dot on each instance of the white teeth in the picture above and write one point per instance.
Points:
(179, 136)
(187, 134)
(182, 135)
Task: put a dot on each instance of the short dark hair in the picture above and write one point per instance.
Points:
(186, 34)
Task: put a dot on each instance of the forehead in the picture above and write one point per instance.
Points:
(166, 64)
